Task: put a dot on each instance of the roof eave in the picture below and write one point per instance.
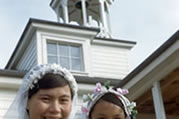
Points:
(150, 59)
(30, 27)
(153, 69)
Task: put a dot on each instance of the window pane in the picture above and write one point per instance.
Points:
(63, 50)
(52, 59)
(75, 51)
(67, 55)
(76, 65)
(64, 62)
(52, 48)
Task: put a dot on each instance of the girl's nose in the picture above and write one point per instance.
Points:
(55, 107)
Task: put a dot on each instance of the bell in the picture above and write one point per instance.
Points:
(78, 4)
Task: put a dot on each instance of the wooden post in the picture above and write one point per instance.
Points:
(84, 13)
(65, 13)
(102, 13)
(158, 101)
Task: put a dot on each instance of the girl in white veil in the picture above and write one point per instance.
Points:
(30, 86)
(108, 103)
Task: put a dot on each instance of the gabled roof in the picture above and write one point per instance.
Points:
(163, 67)
(34, 24)
(30, 29)
(173, 39)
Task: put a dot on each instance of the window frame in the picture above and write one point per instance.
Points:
(69, 45)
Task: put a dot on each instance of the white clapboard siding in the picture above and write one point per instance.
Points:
(6, 98)
(109, 61)
(29, 58)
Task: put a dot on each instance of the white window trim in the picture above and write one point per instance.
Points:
(85, 45)
(69, 45)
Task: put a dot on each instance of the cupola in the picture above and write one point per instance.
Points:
(87, 13)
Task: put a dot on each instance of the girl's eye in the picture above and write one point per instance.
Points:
(64, 100)
(45, 99)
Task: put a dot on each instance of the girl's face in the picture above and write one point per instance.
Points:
(52, 103)
(107, 110)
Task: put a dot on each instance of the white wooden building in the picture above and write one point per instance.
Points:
(154, 84)
(87, 49)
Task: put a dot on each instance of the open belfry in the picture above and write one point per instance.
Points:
(85, 13)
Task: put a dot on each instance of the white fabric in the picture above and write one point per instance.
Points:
(95, 97)
(18, 108)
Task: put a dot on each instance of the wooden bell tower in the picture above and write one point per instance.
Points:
(88, 13)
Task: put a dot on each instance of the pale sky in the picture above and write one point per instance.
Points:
(148, 22)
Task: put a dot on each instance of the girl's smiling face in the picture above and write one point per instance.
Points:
(107, 110)
(54, 103)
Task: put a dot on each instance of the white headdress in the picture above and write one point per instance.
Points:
(18, 108)
(100, 91)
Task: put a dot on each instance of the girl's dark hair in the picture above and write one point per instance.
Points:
(49, 80)
(111, 98)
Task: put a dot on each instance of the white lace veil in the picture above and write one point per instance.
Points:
(99, 92)
(17, 110)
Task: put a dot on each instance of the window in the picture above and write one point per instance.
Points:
(68, 56)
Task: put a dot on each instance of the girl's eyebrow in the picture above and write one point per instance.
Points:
(49, 95)
(46, 95)
(65, 96)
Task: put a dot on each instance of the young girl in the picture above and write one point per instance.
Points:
(107, 103)
(47, 92)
